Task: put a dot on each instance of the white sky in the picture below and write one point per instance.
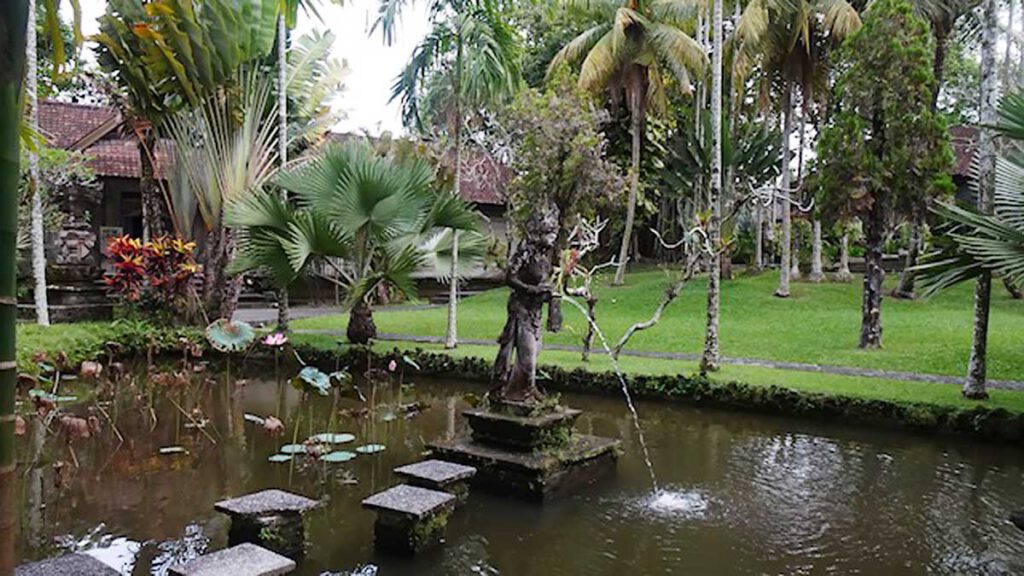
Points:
(373, 66)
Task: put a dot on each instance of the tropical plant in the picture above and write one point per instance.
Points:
(168, 54)
(155, 274)
(885, 150)
(470, 59)
(788, 42)
(370, 219)
(226, 151)
(628, 50)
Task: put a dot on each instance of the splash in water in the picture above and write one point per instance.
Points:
(625, 390)
(682, 503)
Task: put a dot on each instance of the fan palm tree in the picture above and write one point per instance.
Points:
(787, 41)
(471, 56)
(628, 50)
(373, 220)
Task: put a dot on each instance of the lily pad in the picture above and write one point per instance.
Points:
(228, 336)
(371, 448)
(293, 449)
(327, 438)
(339, 456)
(314, 378)
(280, 458)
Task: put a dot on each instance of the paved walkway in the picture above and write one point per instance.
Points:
(268, 315)
(779, 365)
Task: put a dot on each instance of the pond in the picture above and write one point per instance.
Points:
(743, 494)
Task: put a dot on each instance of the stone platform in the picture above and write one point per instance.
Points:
(409, 518)
(68, 565)
(536, 475)
(439, 475)
(241, 560)
(269, 518)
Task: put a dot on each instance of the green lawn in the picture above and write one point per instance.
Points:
(819, 324)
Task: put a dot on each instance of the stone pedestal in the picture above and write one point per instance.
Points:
(410, 519)
(529, 451)
(439, 475)
(271, 519)
(241, 560)
(68, 565)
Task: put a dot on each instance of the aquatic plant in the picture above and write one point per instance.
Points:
(229, 336)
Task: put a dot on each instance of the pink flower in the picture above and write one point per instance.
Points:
(276, 340)
(392, 366)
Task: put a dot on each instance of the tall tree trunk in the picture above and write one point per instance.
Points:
(153, 205)
(38, 238)
(636, 108)
(758, 224)
(817, 267)
(843, 271)
(974, 384)
(451, 339)
(283, 307)
(907, 278)
(710, 361)
(874, 274)
(794, 273)
(361, 327)
(787, 228)
(13, 20)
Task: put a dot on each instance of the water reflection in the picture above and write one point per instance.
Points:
(742, 494)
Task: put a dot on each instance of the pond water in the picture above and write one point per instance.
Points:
(742, 494)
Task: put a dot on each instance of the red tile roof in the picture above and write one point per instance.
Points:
(113, 152)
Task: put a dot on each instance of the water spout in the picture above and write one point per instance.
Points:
(625, 390)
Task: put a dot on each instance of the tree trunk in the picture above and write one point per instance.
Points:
(13, 20)
(636, 108)
(907, 278)
(843, 272)
(874, 274)
(283, 305)
(787, 232)
(361, 327)
(588, 338)
(975, 383)
(38, 238)
(451, 339)
(710, 361)
(939, 62)
(758, 223)
(153, 207)
(817, 267)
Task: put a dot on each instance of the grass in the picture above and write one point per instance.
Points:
(818, 324)
(858, 387)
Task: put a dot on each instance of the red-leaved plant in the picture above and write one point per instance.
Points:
(155, 273)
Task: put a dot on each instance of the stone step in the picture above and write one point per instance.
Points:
(269, 518)
(439, 475)
(68, 565)
(241, 560)
(409, 518)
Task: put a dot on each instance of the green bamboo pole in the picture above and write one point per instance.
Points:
(13, 23)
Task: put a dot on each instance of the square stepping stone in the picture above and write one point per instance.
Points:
(269, 518)
(241, 560)
(68, 565)
(439, 475)
(409, 518)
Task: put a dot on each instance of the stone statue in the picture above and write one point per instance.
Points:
(529, 276)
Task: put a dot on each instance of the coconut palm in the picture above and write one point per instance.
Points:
(38, 245)
(788, 41)
(372, 220)
(629, 50)
(470, 56)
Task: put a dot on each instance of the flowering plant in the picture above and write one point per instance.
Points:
(156, 272)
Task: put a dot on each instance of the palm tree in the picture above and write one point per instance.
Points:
(373, 220)
(710, 360)
(977, 244)
(38, 245)
(787, 41)
(473, 53)
(628, 50)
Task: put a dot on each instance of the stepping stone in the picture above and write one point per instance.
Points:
(439, 475)
(241, 560)
(409, 518)
(270, 518)
(68, 565)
